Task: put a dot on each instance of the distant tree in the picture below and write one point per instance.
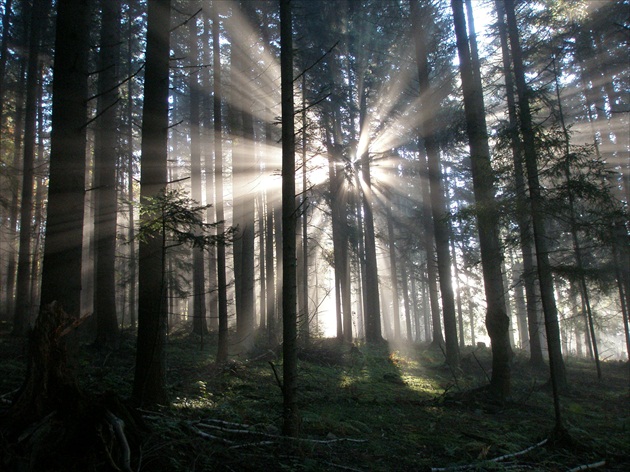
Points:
(21, 318)
(194, 87)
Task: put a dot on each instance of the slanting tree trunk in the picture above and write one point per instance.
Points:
(200, 325)
(61, 266)
(222, 348)
(438, 202)
(556, 363)
(105, 156)
(21, 318)
(291, 419)
(497, 322)
(149, 386)
(523, 215)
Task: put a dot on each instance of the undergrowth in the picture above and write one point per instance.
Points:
(363, 408)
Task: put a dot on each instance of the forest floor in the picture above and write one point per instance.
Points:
(362, 408)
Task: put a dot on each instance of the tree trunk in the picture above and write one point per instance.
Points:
(556, 363)
(21, 318)
(4, 47)
(497, 322)
(200, 325)
(222, 348)
(61, 271)
(291, 418)
(436, 338)
(149, 380)
(105, 155)
(438, 203)
(393, 271)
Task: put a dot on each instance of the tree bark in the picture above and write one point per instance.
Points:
(291, 418)
(438, 202)
(497, 322)
(523, 215)
(61, 271)
(150, 374)
(222, 348)
(556, 363)
(105, 156)
(21, 318)
(200, 325)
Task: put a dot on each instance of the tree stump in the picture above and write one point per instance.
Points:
(53, 425)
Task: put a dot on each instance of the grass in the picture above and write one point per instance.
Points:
(366, 408)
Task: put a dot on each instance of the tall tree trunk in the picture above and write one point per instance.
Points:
(438, 203)
(131, 231)
(406, 303)
(305, 331)
(61, 271)
(523, 215)
(150, 373)
(291, 418)
(436, 338)
(18, 146)
(105, 156)
(4, 50)
(200, 325)
(556, 363)
(393, 270)
(222, 348)
(372, 301)
(577, 248)
(21, 316)
(497, 322)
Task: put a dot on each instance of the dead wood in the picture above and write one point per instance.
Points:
(53, 425)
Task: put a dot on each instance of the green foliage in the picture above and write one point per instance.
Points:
(408, 410)
(178, 219)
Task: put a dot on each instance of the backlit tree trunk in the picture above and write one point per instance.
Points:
(150, 373)
(21, 318)
(61, 271)
(556, 363)
(497, 322)
(105, 156)
(438, 203)
(289, 264)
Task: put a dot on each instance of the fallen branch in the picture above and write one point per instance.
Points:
(253, 444)
(343, 467)
(276, 436)
(204, 435)
(496, 459)
(119, 430)
(594, 465)
(520, 453)
(275, 373)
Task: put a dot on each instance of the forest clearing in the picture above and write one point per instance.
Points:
(362, 409)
